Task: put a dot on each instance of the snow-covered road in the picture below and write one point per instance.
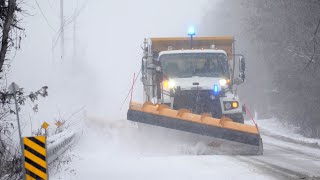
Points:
(285, 160)
(119, 150)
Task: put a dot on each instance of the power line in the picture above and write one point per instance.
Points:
(62, 28)
(68, 21)
(44, 16)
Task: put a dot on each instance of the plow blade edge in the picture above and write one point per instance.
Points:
(239, 136)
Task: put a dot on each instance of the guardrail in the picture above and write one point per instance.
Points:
(34, 159)
(58, 144)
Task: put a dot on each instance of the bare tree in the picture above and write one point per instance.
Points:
(10, 157)
(9, 23)
(281, 40)
(6, 29)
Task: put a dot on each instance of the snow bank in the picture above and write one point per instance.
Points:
(283, 131)
(119, 149)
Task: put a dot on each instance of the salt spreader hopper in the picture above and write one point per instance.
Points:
(190, 85)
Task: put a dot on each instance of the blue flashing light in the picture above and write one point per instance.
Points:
(215, 89)
(191, 31)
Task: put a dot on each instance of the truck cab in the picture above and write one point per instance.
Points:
(198, 78)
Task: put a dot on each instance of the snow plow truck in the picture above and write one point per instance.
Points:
(189, 85)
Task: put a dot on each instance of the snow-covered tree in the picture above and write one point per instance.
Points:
(10, 38)
(281, 40)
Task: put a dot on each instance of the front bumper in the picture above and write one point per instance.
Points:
(203, 101)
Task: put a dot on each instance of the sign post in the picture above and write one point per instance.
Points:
(45, 126)
(13, 89)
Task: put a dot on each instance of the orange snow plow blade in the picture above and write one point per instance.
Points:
(224, 130)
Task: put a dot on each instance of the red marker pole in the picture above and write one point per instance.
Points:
(247, 110)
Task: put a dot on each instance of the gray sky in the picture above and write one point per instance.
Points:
(109, 35)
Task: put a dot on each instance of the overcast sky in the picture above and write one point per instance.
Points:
(108, 38)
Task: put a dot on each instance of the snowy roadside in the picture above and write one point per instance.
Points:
(60, 165)
(117, 149)
(283, 131)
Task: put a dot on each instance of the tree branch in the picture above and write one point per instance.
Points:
(314, 47)
(6, 30)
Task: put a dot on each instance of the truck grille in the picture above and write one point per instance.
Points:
(204, 104)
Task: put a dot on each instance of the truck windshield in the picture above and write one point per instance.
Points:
(184, 65)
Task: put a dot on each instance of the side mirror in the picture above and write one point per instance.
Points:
(242, 76)
(154, 67)
(242, 68)
(151, 66)
(242, 64)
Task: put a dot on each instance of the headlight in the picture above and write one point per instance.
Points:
(235, 104)
(171, 84)
(223, 82)
(165, 84)
(227, 105)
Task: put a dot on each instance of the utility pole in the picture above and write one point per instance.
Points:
(62, 29)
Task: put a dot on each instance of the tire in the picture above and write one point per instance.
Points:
(236, 117)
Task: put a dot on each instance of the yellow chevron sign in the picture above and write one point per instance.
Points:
(35, 158)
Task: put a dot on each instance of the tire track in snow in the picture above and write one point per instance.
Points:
(276, 171)
(265, 132)
(284, 159)
(294, 151)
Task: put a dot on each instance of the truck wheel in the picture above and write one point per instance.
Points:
(236, 117)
